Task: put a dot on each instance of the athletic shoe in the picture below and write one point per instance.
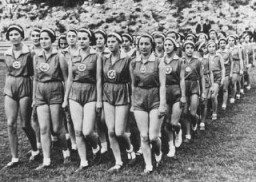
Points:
(42, 166)
(178, 139)
(172, 151)
(248, 87)
(194, 127)
(158, 158)
(238, 96)
(35, 157)
(67, 160)
(11, 165)
(242, 91)
(187, 139)
(116, 168)
(202, 126)
(132, 158)
(97, 158)
(81, 168)
(232, 100)
(104, 148)
(147, 171)
(139, 152)
(214, 117)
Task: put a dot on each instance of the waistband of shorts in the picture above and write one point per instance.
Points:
(50, 81)
(18, 76)
(91, 83)
(146, 87)
(236, 60)
(116, 83)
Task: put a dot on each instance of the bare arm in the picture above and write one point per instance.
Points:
(222, 69)
(202, 82)
(34, 81)
(162, 81)
(65, 74)
(241, 61)
(232, 64)
(182, 81)
(132, 82)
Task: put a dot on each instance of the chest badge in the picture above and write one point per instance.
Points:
(168, 69)
(44, 67)
(112, 74)
(143, 69)
(81, 67)
(188, 69)
(16, 64)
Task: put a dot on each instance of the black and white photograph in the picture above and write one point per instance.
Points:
(127, 90)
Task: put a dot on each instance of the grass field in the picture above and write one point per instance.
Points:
(226, 151)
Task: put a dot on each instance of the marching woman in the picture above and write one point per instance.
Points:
(228, 63)
(48, 91)
(148, 98)
(84, 91)
(208, 77)
(68, 52)
(101, 40)
(236, 53)
(116, 99)
(35, 49)
(17, 92)
(218, 69)
(195, 88)
(175, 94)
(249, 56)
(127, 45)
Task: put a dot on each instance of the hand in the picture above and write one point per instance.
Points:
(222, 81)
(131, 109)
(162, 110)
(230, 76)
(65, 104)
(98, 107)
(182, 101)
(241, 72)
(33, 103)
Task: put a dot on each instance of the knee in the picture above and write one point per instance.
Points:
(44, 130)
(11, 124)
(119, 133)
(154, 138)
(111, 134)
(144, 139)
(78, 133)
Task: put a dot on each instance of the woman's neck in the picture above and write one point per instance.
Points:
(17, 47)
(127, 49)
(101, 49)
(170, 55)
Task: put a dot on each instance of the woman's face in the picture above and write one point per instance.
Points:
(222, 44)
(168, 46)
(100, 41)
(45, 40)
(35, 37)
(231, 41)
(83, 40)
(15, 37)
(113, 44)
(63, 43)
(159, 43)
(190, 38)
(204, 49)
(247, 38)
(71, 38)
(202, 38)
(213, 35)
(145, 46)
(211, 48)
(189, 50)
(126, 43)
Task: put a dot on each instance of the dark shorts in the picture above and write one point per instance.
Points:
(116, 94)
(192, 87)
(146, 99)
(227, 70)
(207, 80)
(18, 87)
(217, 77)
(49, 93)
(83, 93)
(173, 94)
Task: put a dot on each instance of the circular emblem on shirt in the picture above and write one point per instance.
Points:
(188, 69)
(112, 74)
(16, 64)
(143, 69)
(81, 67)
(168, 69)
(44, 67)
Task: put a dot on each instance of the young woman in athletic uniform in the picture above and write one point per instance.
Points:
(208, 76)
(68, 52)
(218, 69)
(116, 99)
(35, 49)
(228, 63)
(195, 88)
(101, 40)
(48, 91)
(249, 56)
(84, 91)
(17, 92)
(175, 94)
(236, 54)
(148, 98)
